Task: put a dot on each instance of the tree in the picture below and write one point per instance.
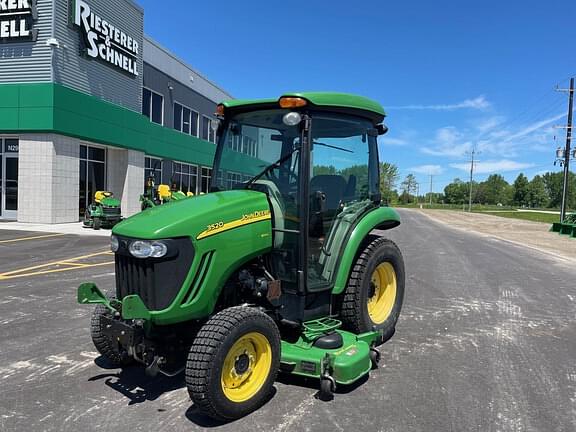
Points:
(496, 190)
(521, 190)
(553, 183)
(389, 176)
(455, 192)
(537, 196)
(324, 169)
(408, 186)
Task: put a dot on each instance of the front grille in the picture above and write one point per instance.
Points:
(111, 211)
(156, 281)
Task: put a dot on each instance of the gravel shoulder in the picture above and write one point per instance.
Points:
(534, 235)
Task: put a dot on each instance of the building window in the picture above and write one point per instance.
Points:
(208, 133)
(92, 174)
(205, 180)
(185, 177)
(185, 119)
(205, 127)
(232, 179)
(153, 106)
(153, 166)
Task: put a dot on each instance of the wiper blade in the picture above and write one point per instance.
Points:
(331, 146)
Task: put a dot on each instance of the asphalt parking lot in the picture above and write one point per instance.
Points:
(486, 342)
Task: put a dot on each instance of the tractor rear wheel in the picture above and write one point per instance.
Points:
(105, 345)
(375, 291)
(233, 362)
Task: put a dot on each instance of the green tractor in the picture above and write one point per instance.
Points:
(103, 212)
(276, 269)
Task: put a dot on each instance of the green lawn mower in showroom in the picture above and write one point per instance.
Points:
(276, 269)
(103, 212)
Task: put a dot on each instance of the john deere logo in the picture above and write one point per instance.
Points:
(105, 41)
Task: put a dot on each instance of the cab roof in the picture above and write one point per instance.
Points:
(341, 102)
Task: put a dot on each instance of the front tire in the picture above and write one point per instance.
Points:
(375, 291)
(233, 362)
(106, 346)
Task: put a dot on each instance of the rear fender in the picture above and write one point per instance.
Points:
(382, 218)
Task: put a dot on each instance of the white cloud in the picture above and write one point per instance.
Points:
(448, 142)
(489, 167)
(534, 127)
(478, 103)
(388, 141)
(427, 169)
(487, 124)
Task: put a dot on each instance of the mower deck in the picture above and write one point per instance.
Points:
(330, 353)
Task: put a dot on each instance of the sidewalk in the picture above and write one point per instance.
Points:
(65, 228)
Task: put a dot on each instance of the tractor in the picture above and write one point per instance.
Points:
(104, 211)
(153, 197)
(277, 269)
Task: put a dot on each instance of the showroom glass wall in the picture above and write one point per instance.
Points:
(92, 174)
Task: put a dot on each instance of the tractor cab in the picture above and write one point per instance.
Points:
(318, 167)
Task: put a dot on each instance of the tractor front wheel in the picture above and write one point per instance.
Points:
(233, 362)
(110, 349)
(375, 291)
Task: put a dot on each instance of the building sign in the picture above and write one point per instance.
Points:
(17, 20)
(106, 42)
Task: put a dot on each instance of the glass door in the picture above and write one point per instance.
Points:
(9, 178)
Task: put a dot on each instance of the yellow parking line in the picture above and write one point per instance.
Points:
(2, 277)
(25, 269)
(74, 264)
(30, 238)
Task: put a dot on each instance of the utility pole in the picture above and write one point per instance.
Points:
(431, 176)
(567, 154)
(471, 176)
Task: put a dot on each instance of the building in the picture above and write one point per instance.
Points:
(88, 102)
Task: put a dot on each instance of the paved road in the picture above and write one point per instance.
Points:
(486, 342)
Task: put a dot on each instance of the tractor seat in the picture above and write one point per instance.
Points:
(100, 195)
(164, 191)
(333, 186)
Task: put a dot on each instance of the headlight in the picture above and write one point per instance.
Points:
(147, 249)
(114, 243)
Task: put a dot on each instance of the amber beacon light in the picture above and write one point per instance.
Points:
(292, 102)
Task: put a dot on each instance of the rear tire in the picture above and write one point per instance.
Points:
(108, 348)
(97, 223)
(375, 291)
(233, 362)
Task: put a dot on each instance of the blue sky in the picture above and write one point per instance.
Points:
(450, 74)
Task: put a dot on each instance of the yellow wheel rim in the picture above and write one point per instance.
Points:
(246, 367)
(383, 286)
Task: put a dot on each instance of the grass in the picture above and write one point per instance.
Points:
(530, 216)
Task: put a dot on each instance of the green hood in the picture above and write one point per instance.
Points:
(110, 202)
(199, 216)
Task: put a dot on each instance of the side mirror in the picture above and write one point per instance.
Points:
(382, 129)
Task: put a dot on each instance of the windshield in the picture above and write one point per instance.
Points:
(252, 142)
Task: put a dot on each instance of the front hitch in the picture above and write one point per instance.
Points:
(89, 293)
(132, 306)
